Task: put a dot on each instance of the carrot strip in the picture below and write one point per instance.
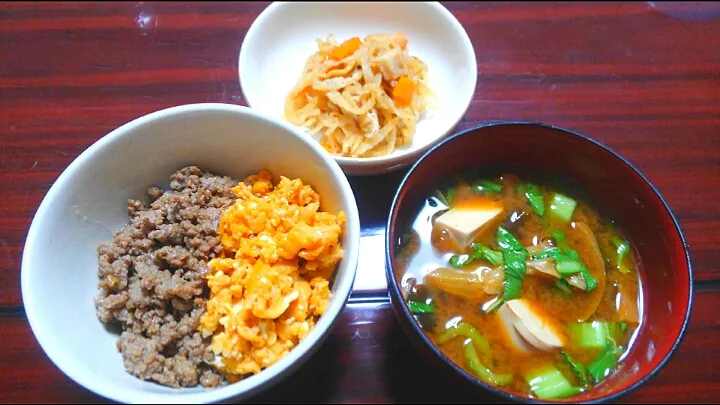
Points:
(404, 91)
(345, 49)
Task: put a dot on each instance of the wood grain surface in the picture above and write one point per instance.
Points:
(642, 78)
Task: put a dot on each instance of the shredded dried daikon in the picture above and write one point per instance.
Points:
(349, 95)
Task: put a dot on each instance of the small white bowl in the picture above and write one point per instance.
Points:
(283, 37)
(88, 202)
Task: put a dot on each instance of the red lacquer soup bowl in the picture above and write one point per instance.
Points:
(613, 186)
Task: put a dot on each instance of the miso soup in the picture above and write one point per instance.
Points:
(522, 284)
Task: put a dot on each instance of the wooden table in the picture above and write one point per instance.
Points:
(642, 78)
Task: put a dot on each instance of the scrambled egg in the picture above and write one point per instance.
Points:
(272, 281)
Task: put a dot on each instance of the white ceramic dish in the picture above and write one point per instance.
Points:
(283, 36)
(88, 202)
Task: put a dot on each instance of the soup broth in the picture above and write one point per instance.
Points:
(523, 285)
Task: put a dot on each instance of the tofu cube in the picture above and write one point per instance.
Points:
(535, 327)
(463, 223)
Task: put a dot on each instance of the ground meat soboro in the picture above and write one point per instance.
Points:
(152, 279)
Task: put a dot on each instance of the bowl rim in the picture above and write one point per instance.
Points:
(394, 289)
(262, 381)
(406, 157)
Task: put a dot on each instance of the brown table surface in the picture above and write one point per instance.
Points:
(643, 78)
